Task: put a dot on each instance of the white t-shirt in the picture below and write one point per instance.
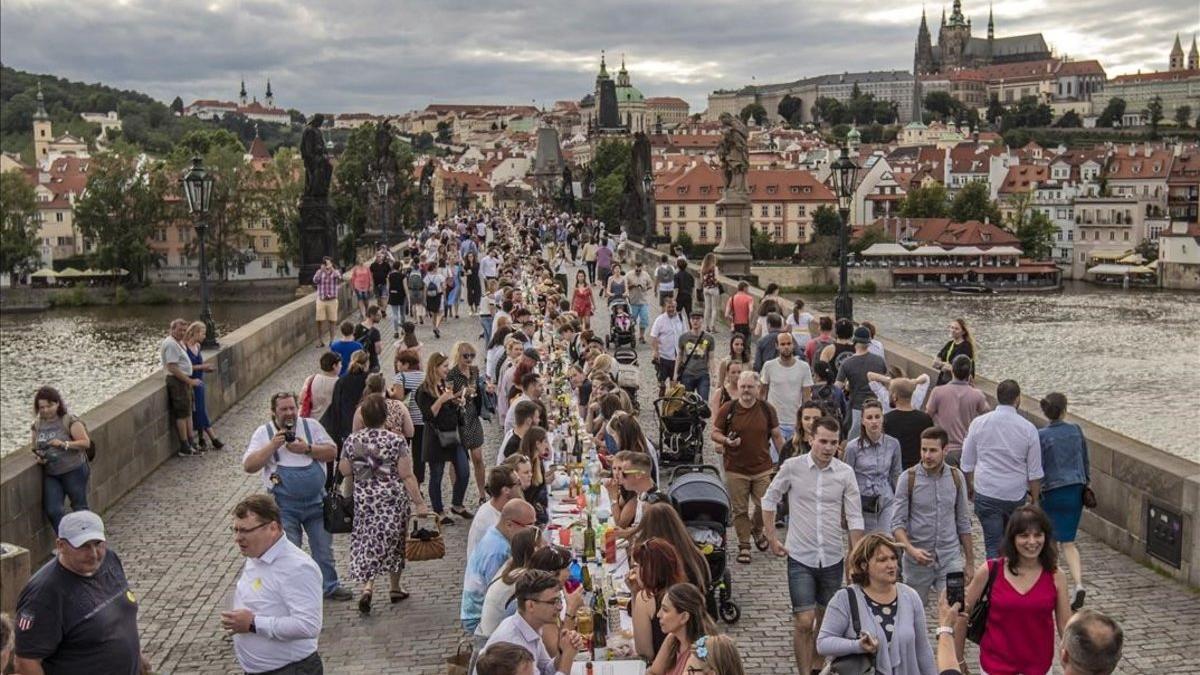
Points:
(787, 387)
(496, 605)
(283, 456)
(322, 393)
(668, 330)
(489, 266)
(485, 518)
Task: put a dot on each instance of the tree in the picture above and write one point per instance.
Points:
(756, 111)
(354, 183)
(925, 202)
(1031, 226)
(1112, 113)
(444, 132)
(1070, 120)
(201, 142)
(791, 109)
(973, 202)
(1027, 113)
(19, 225)
(870, 236)
(1183, 115)
(826, 221)
(423, 141)
(282, 182)
(995, 111)
(122, 207)
(609, 166)
(1154, 113)
(1147, 249)
(177, 106)
(829, 111)
(942, 105)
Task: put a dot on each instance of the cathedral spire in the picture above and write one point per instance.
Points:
(1177, 55)
(242, 93)
(270, 95)
(1193, 62)
(41, 113)
(603, 68)
(991, 24)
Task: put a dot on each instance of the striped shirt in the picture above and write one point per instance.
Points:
(410, 380)
(327, 281)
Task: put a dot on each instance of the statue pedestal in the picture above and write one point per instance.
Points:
(317, 238)
(733, 253)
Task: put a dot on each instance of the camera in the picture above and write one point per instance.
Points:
(289, 431)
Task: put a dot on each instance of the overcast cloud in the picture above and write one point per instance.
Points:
(392, 56)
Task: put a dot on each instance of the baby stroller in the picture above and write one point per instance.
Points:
(621, 327)
(626, 373)
(681, 427)
(702, 501)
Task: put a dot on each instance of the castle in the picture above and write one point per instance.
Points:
(956, 49)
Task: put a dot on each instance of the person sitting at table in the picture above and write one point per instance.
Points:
(535, 445)
(538, 605)
(684, 619)
(631, 471)
(497, 601)
(661, 520)
(655, 568)
(629, 435)
(505, 658)
(525, 416)
(524, 468)
(557, 561)
(715, 655)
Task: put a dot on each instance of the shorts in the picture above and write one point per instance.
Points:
(365, 296)
(666, 369)
(179, 398)
(433, 303)
(327, 310)
(381, 290)
(640, 314)
(812, 587)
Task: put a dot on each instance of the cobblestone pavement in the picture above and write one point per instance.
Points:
(172, 534)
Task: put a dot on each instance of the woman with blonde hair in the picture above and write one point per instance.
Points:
(464, 376)
(442, 409)
(201, 426)
(727, 376)
(711, 290)
(715, 655)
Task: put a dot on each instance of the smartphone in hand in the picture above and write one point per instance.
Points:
(955, 585)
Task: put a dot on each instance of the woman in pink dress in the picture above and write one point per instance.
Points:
(1028, 598)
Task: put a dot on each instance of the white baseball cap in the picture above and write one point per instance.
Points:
(80, 527)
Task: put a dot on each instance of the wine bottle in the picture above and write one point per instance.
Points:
(586, 573)
(589, 541)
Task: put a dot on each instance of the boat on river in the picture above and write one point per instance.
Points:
(969, 289)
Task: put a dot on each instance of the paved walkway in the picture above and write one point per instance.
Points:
(172, 535)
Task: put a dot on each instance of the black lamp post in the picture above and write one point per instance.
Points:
(381, 186)
(648, 194)
(426, 203)
(844, 172)
(197, 187)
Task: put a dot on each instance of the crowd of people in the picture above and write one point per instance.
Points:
(864, 479)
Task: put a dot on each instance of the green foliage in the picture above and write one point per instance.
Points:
(121, 295)
(791, 109)
(925, 202)
(611, 156)
(859, 109)
(1147, 249)
(202, 142)
(684, 241)
(1183, 115)
(973, 202)
(177, 106)
(1027, 113)
(822, 250)
(1112, 113)
(71, 297)
(1070, 120)
(284, 182)
(18, 222)
(826, 221)
(353, 189)
(444, 132)
(942, 105)
(756, 111)
(995, 111)
(155, 296)
(609, 165)
(763, 246)
(1032, 227)
(423, 141)
(829, 111)
(122, 207)
(871, 236)
(1154, 114)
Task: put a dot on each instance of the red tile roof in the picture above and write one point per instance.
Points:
(1160, 76)
(946, 232)
(666, 102)
(1023, 178)
(1015, 72)
(1122, 166)
(1185, 169)
(970, 157)
(1088, 67)
(703, 184)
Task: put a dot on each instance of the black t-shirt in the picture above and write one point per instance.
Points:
(79, 624)
(379, 272)
(684, 283)
(906, 426)
(369, 338)
(396, 290)
(511, 447)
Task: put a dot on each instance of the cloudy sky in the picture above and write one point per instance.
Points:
(393, 56)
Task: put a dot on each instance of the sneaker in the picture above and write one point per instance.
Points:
(445, 519)
(217, 444)
(186, 450)
(340, 593)
(437, 333)
(1077, 598)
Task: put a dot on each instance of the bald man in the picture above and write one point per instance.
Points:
(489, 555)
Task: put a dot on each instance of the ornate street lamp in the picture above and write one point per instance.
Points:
(381, 186)
(648, 207)
(197, 187)
(845, 170)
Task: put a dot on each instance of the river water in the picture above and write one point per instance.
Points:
(1126, 359)
(88, 353)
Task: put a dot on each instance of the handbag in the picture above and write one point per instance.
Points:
(447, 438)
(459, 662)
(1089, 497)
(852, 664)
(977, 621)
(337, 510)
(424, 543)
(870, 503)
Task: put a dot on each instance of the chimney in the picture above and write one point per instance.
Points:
(1147, 148)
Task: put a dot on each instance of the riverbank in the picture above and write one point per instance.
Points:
(26, 299)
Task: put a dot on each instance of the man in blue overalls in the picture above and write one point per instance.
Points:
(291, 452)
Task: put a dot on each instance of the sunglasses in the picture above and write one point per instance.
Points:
(247, 530)
(468, 357)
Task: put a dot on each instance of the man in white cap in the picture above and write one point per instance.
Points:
(77, 614)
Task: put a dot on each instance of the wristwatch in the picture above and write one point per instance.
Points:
(253, 628)
(945, 630)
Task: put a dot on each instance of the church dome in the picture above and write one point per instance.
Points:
(629, 94)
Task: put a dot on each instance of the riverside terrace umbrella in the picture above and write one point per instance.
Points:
(44, 273)
(885, 249)
(70, 273)
(1132, 259)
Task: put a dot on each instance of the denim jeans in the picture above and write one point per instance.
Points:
(73, 484)
(812, 588)
(298, 495)
(398, 314)
(462, 473)
(698, 384)
(486, 322)
(993, 517)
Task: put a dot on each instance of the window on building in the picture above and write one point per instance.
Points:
(1112, 236)
(666, 212)
(800, 210)
(703, 231)
(720, 229)
(1126, 233)
(1070, 235)
(58, 217)
(778, 234)
(778, 210)
(765, 210)
(681, 211)
(266, 262)
(703, 210)
(266, 242)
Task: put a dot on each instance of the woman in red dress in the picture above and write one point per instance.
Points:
(582, 301)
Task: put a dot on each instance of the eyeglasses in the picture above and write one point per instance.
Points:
(523, 525)
(468, 357)
(557, 601)
(247, 530)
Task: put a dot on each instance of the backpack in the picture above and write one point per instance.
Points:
(415, 282)
(90, 450)
(431, 289)
(954, 473)
(821, 343)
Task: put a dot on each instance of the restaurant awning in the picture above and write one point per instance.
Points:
(966, 250)
(1003, 250)
(928, 250)
(884, 249)
(1108, 268)
(1107, 255)
(1132, 259)
(70, 273)
(44, 273)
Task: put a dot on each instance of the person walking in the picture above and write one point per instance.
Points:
(890, 617)
(60, 442)
(875, 458)
(820, 490)
(290, 453)
(743, 430)
(435, 288)
(363, 284)
(473, 281)
(277, 615)
(852, 376)
(694, 361)
(664, 342)
(604, 263)
(1002, 459)
(380, 267)
(465, 376)
(1068, 471)
(664, 278)
(583, 302)
(739, 310)
(408, 378)
(200, 422)
(385, 491)
(338, 419)
(442, 410)
(931, 520)
(77, 613)
(904, 423)
(786, 384)
(328, 281)
(954, 405)
(638, 283)
(397, 298)
(711, 290)
(685, 286)
(317, 392)
(589, 258)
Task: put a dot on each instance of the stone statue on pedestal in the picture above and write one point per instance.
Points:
(733, 253)
(317, 169)
(735, 154)
(317, 238)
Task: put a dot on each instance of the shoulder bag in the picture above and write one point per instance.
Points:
(853, 664)
(337, 509)
(977, 621)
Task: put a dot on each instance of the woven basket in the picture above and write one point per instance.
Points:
(425, 542)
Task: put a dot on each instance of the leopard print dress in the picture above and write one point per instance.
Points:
(381, 504)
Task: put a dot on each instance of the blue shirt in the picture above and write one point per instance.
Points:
(486, 559)
(344, 349)
(1064, 455)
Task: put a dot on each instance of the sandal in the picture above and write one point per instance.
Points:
(397, 595)
(761, 541)
(364, 603)
(743, 556)
(462, 512)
